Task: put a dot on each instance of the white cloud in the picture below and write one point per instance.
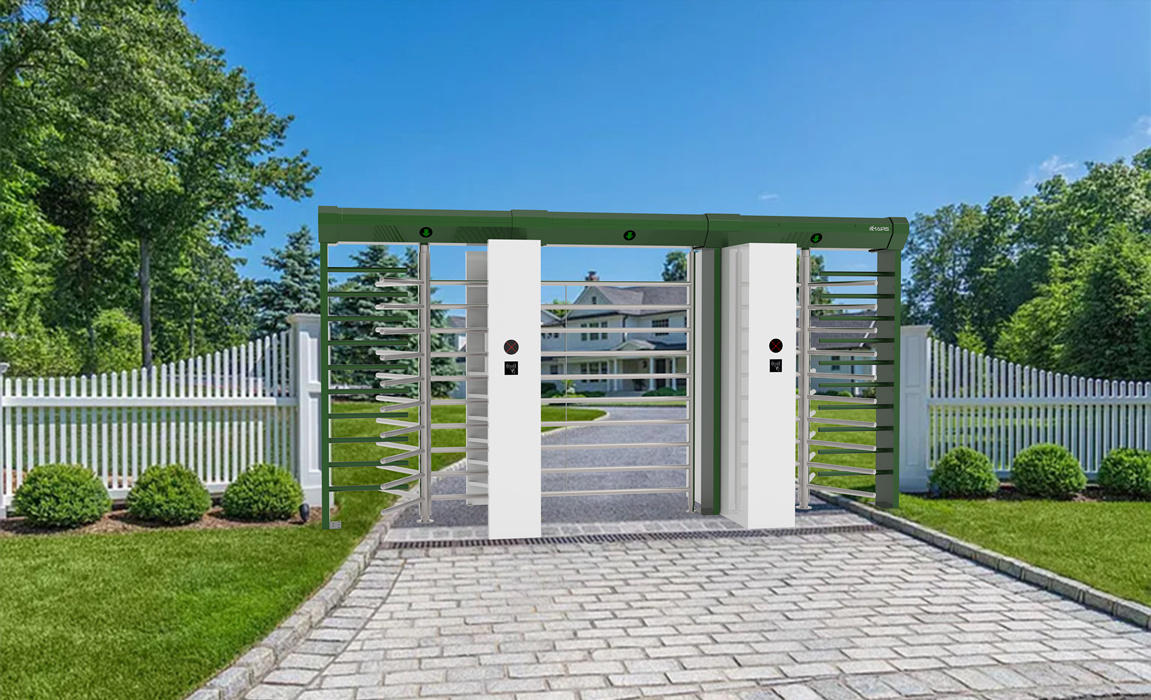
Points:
(1055, 165)
(767, 195)
(1136, 138)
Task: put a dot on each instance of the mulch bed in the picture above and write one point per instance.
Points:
(119, 521)
(1007, 492)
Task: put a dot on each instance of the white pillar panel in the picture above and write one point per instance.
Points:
(514, 446)
(758, 452)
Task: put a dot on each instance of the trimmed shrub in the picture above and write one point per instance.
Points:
(263, 492)
(666, 391)
(61, 495)
(1048, 471)
(594, 394)
(170, 494)
(964, 473)
(1126, 472)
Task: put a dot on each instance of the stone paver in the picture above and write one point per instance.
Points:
(833, 616)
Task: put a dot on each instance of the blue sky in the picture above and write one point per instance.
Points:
(750, 107)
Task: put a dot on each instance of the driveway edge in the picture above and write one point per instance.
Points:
(250, 669)
(1126, 610)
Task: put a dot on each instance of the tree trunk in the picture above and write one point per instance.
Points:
(146, 302)
(90, 360)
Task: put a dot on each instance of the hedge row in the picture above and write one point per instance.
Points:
(1042, 471)
(69, 495)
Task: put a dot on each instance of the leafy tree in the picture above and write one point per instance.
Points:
(560, 313)
(297, 290)
(675, 267)
(1035, 333)
(124, 142)
(203, 304)
(1111, 321)
(819, 295)
(222, 165)
(938, 251)
(117, 343)
(969, 340)
(33, 350)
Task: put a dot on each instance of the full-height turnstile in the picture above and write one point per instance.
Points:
(748, 372)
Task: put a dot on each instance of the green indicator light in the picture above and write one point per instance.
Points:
(628, 235)
(425, 232)
(816, 238)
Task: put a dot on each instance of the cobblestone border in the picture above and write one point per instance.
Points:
(1127, 610)
(251, 668)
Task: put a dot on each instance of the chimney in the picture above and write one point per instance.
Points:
(591, 276)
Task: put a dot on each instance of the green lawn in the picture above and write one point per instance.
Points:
(1105, 545)
(155, 614)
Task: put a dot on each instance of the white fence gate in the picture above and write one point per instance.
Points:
(952, 397)
(216, 414)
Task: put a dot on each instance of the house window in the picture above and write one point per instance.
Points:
(594, 368)
(660, 323)
(593, 336)
(835, 368)
(594, 300)
(555, 369)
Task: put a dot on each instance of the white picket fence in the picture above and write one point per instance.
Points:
(216, 414)
(220, 413)
(952, 397)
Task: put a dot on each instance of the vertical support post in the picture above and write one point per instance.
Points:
(887, 441)
(803, 362)
(309, 470)
(693, 399)
(425, 395)
(704, 380)
(476, 268)
(515, 479)
(5, 474)
(303, 429)
(913, 437)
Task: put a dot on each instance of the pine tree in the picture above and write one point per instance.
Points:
(378, 256)
(298, 288)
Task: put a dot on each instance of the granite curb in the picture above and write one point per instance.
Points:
(1127, 610)
(247, 671)
(251, 668)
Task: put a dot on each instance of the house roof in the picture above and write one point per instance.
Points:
(640, 296)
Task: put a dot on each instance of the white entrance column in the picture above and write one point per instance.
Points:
(757, 454)
(514, 446)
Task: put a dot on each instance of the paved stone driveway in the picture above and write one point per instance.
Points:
(839, 616)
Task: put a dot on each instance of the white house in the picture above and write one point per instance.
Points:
(638, 330)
